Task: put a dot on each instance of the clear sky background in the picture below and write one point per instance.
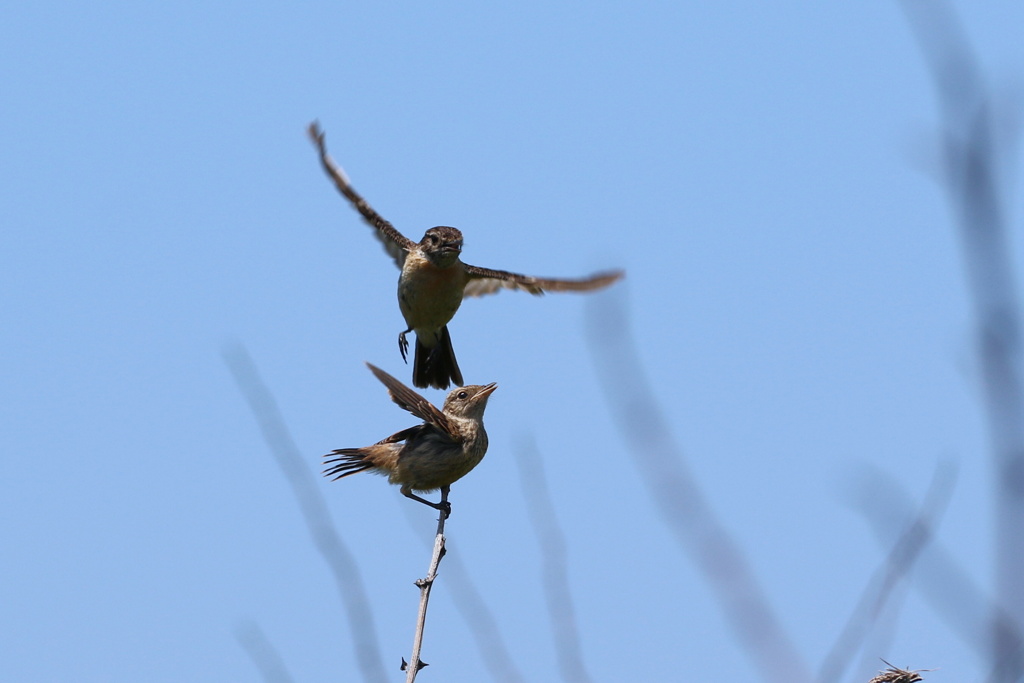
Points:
(766, 174)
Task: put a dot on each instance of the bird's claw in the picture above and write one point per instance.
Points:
(446, 508)
(403, 346)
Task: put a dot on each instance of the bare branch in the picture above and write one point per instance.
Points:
(251, 637)
(483, 627)
(425, 584)
(946, 586)
(681, 502)
(973, 185)
(557, 589)
(481, 622)
(878, 593)
(314, 510)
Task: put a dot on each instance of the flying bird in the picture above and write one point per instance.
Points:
(427, 457)
(434, 281)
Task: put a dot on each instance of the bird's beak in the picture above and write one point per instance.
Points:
(486, 391)
(457, 247)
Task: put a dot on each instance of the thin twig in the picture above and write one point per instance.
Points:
(557, 590)
(946, 585)
(415, 663)
(683, 506)
(887, 578)
(314, 510)
(973, 183)
(480, 620)
(262, 652)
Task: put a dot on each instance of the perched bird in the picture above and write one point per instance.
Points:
(434, 281)
(430, 456)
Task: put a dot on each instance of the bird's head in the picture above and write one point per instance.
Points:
(468, 401)
(442, 245)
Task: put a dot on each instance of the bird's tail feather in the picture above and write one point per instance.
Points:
(436, 367)
(346, 461)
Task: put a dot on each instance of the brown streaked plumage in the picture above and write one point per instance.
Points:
(434, 281)
(430, 456)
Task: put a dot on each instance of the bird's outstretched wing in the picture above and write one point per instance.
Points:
(485, 281)
(407, 399)
(395, 243)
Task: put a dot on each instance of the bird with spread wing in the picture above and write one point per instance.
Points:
(434, 281)
(427, 457)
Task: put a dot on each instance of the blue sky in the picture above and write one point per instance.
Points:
(766, 174)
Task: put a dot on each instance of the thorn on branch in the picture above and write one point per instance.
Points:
(419, 665)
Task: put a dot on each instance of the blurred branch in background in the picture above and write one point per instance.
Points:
(883, 633)
(314, 510)
(972, 156)
(962, 605)
(557, 588)
(481, 622)
(880, 589)
(678, 498)
(263, 654)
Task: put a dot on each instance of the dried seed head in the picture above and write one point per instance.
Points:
(897, 675)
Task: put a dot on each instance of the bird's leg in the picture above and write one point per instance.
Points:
(403, 344)
(444, 506)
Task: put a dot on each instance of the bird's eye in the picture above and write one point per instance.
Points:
(462, 394)
(433, 238)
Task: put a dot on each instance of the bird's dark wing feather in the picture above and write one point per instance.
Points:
(403, 435)
(407, 399)
(395, 243)
(486, 281)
